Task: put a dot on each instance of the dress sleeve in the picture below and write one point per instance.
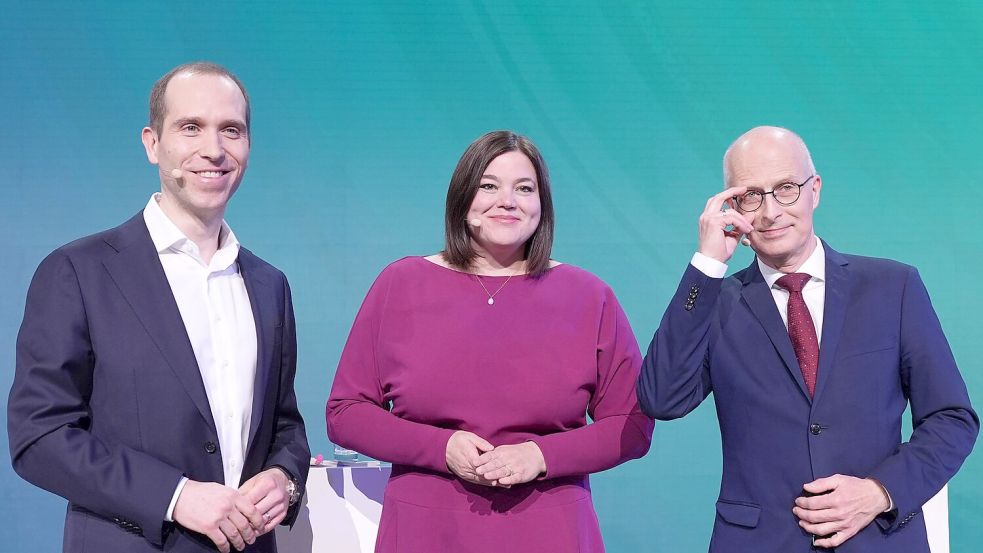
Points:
(619, 431)
(358, 413)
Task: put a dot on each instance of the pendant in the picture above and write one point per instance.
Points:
(491, 301)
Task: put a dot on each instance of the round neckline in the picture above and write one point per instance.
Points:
(424, 259)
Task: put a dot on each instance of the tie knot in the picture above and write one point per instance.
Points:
(793, 282)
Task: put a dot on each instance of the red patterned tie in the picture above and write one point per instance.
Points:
(801, 329)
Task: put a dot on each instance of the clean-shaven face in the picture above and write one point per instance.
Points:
(203, 135)
(783, 236)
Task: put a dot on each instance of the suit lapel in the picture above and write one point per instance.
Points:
(138, 274)
(263, 304)
(834, 313)
(760, 301)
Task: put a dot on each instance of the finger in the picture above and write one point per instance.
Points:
(817, 502)
(245, 527)
(254, 493)
(716, 202)
(835, 540)
(517, 477)
(219, 539)
(249, 511)
(823, 529)
(734, 219)
(273, 502)
(822, 485)
(815, 516)
(274, 522)
(232, 533)
(482, 444)
(273, 518)
(486, 458)
(498, 474)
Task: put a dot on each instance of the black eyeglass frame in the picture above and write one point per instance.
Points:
(737, 199)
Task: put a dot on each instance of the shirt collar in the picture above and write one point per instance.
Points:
(166, 237)
(815, 266)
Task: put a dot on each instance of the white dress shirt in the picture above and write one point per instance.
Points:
(218, 317)
(814, 292)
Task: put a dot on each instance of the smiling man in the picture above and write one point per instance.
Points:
(156, 360)
(812, 357)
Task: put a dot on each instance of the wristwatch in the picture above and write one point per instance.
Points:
(293, 492)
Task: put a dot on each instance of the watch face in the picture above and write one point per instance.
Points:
(293, 494)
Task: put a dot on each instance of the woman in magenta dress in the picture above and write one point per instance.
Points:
(474, 370)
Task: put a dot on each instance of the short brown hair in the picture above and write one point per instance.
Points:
(463, 187)
(158, 105)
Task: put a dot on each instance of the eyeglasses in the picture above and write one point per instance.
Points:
(786, 193)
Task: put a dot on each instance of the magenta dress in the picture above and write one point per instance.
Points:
(428, 356)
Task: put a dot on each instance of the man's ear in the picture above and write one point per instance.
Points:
(817, 185)
(149, 138)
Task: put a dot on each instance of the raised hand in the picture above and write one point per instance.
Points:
(716, 240)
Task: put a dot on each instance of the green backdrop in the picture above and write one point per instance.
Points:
(361, 110)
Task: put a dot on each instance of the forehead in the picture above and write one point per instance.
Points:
(514, 161)
(766, 162)
(204, 96)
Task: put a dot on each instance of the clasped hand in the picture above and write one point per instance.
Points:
(473, 459)
(234, 518)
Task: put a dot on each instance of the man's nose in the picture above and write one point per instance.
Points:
(770, 210)
(211, 146)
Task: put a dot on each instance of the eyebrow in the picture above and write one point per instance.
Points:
(238, 123)
(784, 180)
(496, 179)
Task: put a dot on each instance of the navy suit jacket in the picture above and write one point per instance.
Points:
(108, 408)
(882, 347)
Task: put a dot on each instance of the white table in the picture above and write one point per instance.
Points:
(340, 511)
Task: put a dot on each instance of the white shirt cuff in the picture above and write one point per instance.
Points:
(708, 265)
(169, 517)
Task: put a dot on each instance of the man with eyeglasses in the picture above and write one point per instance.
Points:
(812, 356)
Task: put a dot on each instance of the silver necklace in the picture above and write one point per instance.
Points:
(491, 297)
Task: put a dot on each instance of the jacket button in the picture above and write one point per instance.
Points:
(815, 429)
(210, 447)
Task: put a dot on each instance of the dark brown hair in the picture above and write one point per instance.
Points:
(158, 106)
(464, 186)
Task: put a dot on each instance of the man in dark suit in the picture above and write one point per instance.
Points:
(156, 360)
(810, 372)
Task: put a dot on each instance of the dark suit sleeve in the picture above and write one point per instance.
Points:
(48, 418)
(675, 375)
(289, 449)
(945, 424)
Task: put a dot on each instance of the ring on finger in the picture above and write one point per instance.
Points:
(267, 517)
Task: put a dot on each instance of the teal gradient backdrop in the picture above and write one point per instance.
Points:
(361, 110)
